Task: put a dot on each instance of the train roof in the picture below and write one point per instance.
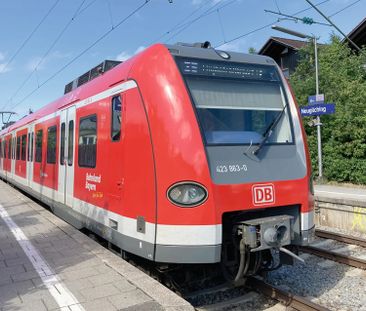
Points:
(120, 72)
(187, 50)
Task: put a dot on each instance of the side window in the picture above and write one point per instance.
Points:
(51, 144)
(9, 149)
(24, 147)
(29, 146)
(62, 144)
(18, 148)
(87, 148)
(70, 147)
(32, 147)
(4, 151)
(39, 138)
(116, 118)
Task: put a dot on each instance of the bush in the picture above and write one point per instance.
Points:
(342, 78)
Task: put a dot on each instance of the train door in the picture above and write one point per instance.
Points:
(30, 154)
(1, 155)
(115, 191)
(13, 156)
(66, 167)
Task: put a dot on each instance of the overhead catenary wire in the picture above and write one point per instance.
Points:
(334, 25)
(59, 36)
(211, 10)
(176, 26)
(100, 38)
(345, 8)
(29, 36)
(267, 25)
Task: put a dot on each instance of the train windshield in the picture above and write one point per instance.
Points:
(237, 103)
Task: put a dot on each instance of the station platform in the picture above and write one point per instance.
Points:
(46, 264)
(341, 194)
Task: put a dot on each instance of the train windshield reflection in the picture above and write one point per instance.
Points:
(238, 111)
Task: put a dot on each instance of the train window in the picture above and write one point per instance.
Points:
(87, 149)
(4, 151)
(9, 149)
(238, 111)
(24, 146)
(62, 144)
(18, 148)
(70, 147)
(39, 139)
(32, 146)
(29, 144)
(116, 118)
(51, 144)
(14, 146)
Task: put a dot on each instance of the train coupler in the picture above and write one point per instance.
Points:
(266, 233)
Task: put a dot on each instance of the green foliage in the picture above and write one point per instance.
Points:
(342, 78)
(252, 50)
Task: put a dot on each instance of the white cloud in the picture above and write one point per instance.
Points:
(233, 46)
(3, 67)
(124, 55)
(37, 62)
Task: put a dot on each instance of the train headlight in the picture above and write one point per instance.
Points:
(187, 194)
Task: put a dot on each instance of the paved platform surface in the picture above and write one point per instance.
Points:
(341, 194)
(45, 264)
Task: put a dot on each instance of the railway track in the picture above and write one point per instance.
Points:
(296, 302)
(334, 255)
(340, 237)
(256, 287)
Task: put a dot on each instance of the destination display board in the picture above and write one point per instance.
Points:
(225, 69)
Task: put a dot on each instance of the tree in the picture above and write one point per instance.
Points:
(252, 50)
(342, 78)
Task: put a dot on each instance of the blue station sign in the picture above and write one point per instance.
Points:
(317, 109)
(316, 99)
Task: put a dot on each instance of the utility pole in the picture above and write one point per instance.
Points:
(318, 123)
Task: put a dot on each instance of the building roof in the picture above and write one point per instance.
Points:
(358, 34)
(286, 43)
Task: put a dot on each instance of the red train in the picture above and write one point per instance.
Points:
(181, 154)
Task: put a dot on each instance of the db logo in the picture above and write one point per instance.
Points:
(263, 194)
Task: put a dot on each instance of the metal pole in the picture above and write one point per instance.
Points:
(318, 124)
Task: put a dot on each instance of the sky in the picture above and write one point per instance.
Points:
(44, 44)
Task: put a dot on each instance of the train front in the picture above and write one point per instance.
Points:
(257, 156)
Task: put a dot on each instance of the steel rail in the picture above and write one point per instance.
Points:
(296, 302)
(340, 237)
(332, 255)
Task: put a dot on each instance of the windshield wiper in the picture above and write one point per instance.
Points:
(268, 132)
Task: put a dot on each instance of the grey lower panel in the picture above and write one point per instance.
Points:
(188, 254)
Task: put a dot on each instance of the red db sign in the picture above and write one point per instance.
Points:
(263, 194)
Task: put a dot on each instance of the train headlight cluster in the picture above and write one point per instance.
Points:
(187, 194)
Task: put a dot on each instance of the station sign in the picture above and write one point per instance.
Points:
(316, 99)
(317, 109)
